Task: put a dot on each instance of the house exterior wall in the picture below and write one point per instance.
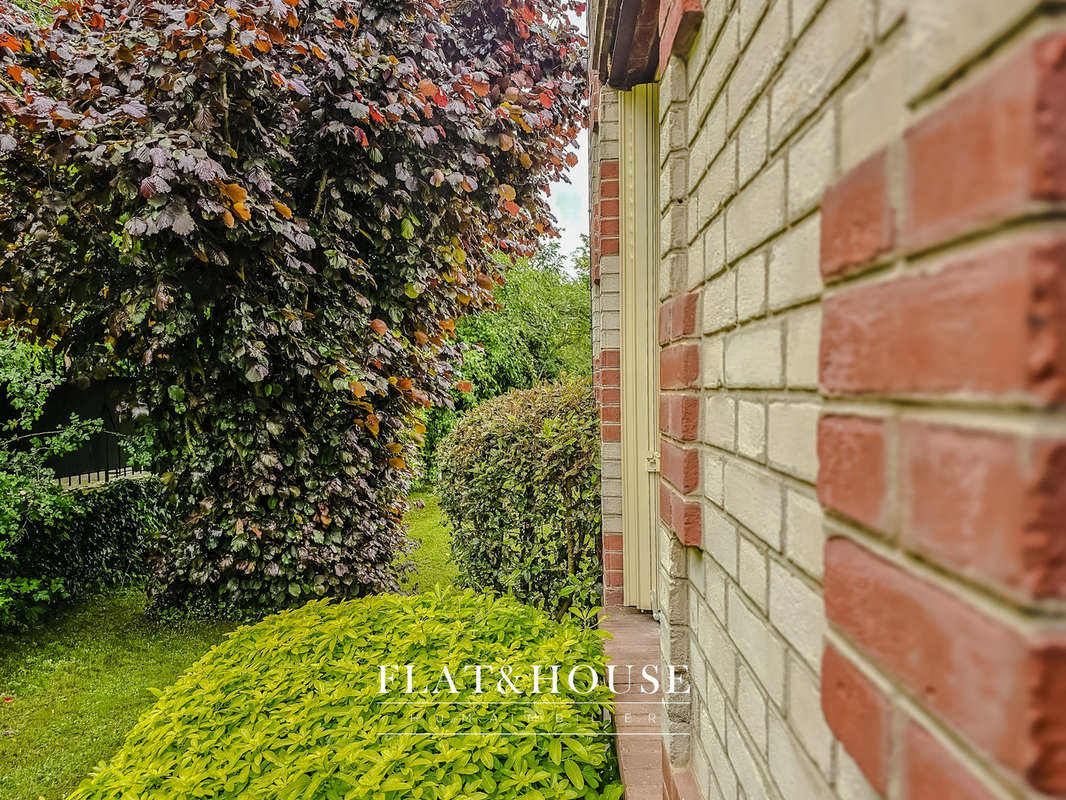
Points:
(863, 366)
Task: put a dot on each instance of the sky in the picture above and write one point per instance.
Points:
(570, 201)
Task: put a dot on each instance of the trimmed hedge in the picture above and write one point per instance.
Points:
(291, 708)
(520, 485)
(102, 541)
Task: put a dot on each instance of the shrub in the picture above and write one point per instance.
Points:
(520, 485)
(291, 708)
(270, 216)
(102, 540)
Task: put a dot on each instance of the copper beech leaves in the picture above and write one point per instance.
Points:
(322, 187)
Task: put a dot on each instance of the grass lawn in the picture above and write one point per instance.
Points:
(433, 557)
(80, 681)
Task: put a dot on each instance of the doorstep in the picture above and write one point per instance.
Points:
(637, 720)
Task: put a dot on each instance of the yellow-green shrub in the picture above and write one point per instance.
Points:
(291, 708)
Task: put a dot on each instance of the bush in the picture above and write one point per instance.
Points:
(101, 541)
(520, 486)
(268, 216)
(291, 708)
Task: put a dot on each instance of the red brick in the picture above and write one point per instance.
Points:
(858, 223)
(611, 414)
(665, 323)
(859, 715)
(613, 596)
(666, 504)
(930, 772)
(679, 416)
(608, 169)
(609, 227)
(610, 396)
(992, 150)
(687, 522)
(608, 189)
(992, 321)
(680, 466)
(610, 357)
(608, 208)
(683, 315)
(679, 21)
(679, 367)
(852, 472)
(612, 542)
(610, 378)
(609, 246)
(612, 561)
(988, 505)
(1004, 691)
(611, 432)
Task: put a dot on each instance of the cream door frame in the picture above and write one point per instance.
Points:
(639, 251)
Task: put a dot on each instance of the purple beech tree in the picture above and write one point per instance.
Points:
(268, 214)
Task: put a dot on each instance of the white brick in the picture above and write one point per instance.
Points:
(720, 654)
(757, 213)
(804, 532)
(795, 274)
(946, 34)
(715, 581)
(711, 354)
(720, 539)
(710, 139)
(718, 184)
(753, 357)
(755, 500)
(712, 469)
(875, 111)
(811, 162)
(793, 439)
(719, 421)
(796, 611)
(802, 11)
(794, 773)
(714, 248)
(751, 707)
(721, 768)
(803, 339)
(715, 704)
(751, 429)
(722, 59)
(752, 566)
(751, 286)
(805, 715)
(758, 62)
(720, 302)
(749, 773)
(750, 13)
(751, 141)
(762, 650)
(823, 56)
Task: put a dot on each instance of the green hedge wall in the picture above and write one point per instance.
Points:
(520, 484)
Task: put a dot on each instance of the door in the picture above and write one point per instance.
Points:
(639, 251)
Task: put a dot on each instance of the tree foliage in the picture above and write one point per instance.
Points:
(540, 332)
(276, 210)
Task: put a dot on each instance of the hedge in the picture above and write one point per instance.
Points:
(520, 485)
(102, 541)
(291, 708)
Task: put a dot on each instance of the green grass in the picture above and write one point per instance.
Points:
(433, 557)
(79, 683)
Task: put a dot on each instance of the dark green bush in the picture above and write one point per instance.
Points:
(292, 708)
(520, 485)
(101, 540)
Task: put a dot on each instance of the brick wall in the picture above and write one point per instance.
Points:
(863, 323)
(606, 308)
